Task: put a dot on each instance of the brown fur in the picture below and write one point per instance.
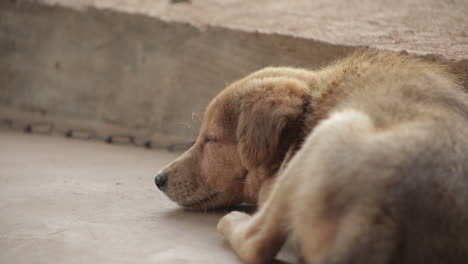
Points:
(364, 161)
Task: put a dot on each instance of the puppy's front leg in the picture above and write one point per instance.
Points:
(254, 239)
(257, 239)
(235, 227)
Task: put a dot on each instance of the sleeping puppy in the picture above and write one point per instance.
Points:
(363, 161)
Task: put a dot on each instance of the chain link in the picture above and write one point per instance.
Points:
(48, 128)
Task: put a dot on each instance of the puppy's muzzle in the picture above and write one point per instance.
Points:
(161, 180)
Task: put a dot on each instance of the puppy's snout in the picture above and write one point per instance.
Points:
(161, 180)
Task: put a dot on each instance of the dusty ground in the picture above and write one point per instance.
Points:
(68, 201)
(419, 26)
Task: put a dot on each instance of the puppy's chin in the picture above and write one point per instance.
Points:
(202, 207)
(199, 202)
(214, 201)
(206, 201)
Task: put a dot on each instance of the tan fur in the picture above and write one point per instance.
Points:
(364, 161)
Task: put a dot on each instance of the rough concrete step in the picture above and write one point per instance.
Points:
(149, 65)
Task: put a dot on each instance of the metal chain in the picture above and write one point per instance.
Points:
(48, 128)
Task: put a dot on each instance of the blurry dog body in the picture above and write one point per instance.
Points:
(364, 161)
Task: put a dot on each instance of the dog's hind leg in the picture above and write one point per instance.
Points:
(363, 236)
(344, 212)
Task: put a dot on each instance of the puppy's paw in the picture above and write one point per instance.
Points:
(239, 231)
(231, 224)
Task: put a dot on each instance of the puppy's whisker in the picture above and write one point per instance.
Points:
(187, 125)
(195, 115)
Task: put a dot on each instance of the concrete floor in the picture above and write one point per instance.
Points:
(71, 201)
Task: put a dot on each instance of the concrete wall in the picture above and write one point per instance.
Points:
(131, 69)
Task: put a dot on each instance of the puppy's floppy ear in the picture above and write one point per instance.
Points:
(270, 108)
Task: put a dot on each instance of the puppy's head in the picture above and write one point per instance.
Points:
(246, 132)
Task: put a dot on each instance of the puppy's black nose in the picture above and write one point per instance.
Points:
(161, 180)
